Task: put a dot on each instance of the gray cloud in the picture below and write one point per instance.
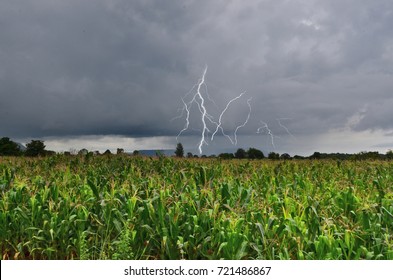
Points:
(74, 68)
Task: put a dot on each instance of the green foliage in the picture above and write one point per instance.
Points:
(285, 156)
(255, 154)
(35, 148)
(119, 207)
(107, 152)
(273, 155)
(190, 155)
(8, 147)
(123, 246)
(367, 155)
(226, 156)
(240, 153)
(179, 152)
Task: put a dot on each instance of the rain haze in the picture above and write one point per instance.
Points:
(112, 74)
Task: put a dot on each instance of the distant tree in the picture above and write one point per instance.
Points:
(316, 155)
(179, 152)
(240, 153)
(196, 156)
(189, 155)
(367, 155)
(285, 156)
(273, 155)
(298, 157)
(107, 152)
(8, 147)
(120, 151)
(135, 153)
(389, 154)
(374, 155)
(35, 148)
(226, 156)
(255, 154)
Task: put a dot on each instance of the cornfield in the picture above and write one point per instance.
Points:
(122, 207)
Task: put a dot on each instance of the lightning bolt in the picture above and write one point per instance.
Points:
(248, 118)
(203, 111)
(269, 132)
(220, 118)
(284, 127)
(206, 118)
(200, 101)
(208, 96)
(185, 108)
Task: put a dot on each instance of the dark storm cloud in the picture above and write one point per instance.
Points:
(84, 68)
(121, 67)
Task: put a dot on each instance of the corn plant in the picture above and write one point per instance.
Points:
(123, 207)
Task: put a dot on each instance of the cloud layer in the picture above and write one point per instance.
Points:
(74, 68)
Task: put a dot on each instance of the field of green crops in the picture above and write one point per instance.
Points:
(121, 207)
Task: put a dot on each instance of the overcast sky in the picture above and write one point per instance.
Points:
(106, 74)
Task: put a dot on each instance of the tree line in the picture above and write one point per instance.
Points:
(37, 148)
(33, 148)
(253, 153)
